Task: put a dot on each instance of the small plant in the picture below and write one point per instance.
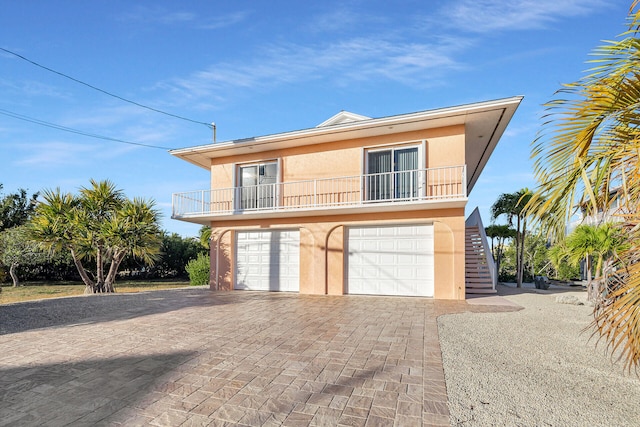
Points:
(198, 270)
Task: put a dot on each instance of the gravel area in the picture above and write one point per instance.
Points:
(534, 367)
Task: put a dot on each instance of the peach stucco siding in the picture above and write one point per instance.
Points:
(322, 238)
(444, 147)
(322, 243)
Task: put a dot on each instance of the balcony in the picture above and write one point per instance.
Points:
(414, 189)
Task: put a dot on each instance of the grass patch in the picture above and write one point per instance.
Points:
(41, 290)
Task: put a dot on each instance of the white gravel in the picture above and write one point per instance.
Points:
(534, 367)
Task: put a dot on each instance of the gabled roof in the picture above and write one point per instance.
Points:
(341, 118)
(484, 124)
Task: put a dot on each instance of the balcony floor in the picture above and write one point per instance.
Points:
(369, 207)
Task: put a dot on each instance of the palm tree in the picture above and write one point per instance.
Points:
(131, 231)
(101, 224)
(512, 205)
(588, 146)
(558, 255)
(205, 236)
(582, 244)
(55, 225)
(100, 203)
(501, 233)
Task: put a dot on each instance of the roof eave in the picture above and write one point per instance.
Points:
(484, 122)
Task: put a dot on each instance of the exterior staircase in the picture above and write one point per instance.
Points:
(480, 274)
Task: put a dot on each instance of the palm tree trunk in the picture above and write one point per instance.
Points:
(113, 271)
(88, 283)
(499, 258)
(521, 261)
(518, 259)
(99, 286)
(587, 266)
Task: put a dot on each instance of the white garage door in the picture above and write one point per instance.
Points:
(390, 260)
(268, 260)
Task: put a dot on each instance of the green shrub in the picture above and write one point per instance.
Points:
(198, 270)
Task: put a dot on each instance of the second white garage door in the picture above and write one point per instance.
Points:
(390, 260)
(268, 260)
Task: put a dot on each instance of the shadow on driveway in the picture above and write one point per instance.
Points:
(84, 392)
(44, 313)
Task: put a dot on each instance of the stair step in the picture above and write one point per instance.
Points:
(477, 277)
(477, 274)
(471, 291)
(479, 283)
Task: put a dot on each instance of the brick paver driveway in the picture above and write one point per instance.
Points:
(196, 357)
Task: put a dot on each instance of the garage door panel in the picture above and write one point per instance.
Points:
(268, 260)
(390, 260)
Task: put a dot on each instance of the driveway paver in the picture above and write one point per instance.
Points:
(193, 357)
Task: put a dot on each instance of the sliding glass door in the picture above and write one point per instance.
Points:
(392, 174)
(258, 185)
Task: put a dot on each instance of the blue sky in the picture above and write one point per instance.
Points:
(256, 68)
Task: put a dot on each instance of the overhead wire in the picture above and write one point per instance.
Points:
(72, 130)
(17, 55)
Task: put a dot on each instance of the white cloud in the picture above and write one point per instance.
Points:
(54, 154)
(30, 88)
(340, 62)
(482, 16)
(222, 21)
(162, 16)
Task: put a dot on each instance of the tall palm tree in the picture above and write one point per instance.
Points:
(512, 206)
(589, 145)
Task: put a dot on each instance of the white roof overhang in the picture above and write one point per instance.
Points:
(484, 122)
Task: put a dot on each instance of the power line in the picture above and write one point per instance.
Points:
(72, 130)
(102, 90)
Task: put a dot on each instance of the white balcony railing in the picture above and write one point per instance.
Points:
(352, 191)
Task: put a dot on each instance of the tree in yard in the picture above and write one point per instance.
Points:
(99, 224)
(500, 233)
(589, 147)
(176, 252)
(536, 254)
(16, 248)
(600, 243)
(16, 208)
(559, 258)
(512, 205)
(205, 236)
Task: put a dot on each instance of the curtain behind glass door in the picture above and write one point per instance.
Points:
(267, 178)
(378, 180)
(406, 176)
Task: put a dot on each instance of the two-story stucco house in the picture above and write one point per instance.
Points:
(353, 206)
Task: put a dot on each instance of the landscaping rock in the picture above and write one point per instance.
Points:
(569, 299)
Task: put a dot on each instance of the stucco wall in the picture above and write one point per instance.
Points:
(322, 238)
(444, 147)
(322, 258)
